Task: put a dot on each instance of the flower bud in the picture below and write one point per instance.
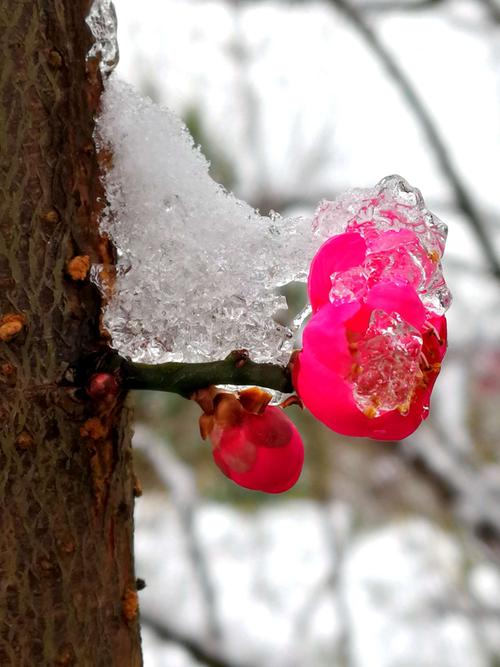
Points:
(262, 450)
(102, 386)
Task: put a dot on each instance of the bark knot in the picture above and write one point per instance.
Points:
(11, 325)
(78, 267)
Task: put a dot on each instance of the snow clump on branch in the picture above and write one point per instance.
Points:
(198, 269)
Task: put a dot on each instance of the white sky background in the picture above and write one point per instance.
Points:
(314, 80)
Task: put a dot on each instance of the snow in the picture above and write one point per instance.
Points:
(198, 269)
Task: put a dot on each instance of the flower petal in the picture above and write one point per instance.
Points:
(265, 453)
(340, 253)
(399, 298)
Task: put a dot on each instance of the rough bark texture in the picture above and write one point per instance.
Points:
(67, 587)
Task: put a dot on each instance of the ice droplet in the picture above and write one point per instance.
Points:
(102, 22)
(386, 364)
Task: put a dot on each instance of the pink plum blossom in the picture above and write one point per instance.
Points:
(401, 239)
(388, 397)
(373, 347)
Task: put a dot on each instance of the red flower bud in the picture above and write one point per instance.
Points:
(263, 452)
(102, 386)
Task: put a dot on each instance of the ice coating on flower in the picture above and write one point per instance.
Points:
(386, 369)
(404, 243)
(254, 444)
(374, 345)
(388, 396)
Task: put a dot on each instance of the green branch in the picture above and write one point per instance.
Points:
(183, 378)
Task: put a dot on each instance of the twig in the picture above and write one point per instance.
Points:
(397, 5)
(492, 8)
(463, 199)
(474, 611)
(196, 649)
(184, 379)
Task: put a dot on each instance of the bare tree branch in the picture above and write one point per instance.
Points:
(462, 196)
(473, 498)
(493, 8)
(195, 648)
(397, 5)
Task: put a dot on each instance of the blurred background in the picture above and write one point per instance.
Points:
(384, 554)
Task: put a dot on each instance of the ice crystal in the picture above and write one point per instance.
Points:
(410, 253)
(387, 365)
(198, 270)
(101, 20)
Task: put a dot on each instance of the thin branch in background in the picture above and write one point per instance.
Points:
(397, 5)
(473, 498)
(474, 612)
(377, 6)
(337, 538)
(195, 649)
(463, 198)
(492, 8)
(179, 481)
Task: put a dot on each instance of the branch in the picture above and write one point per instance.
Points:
(472, 497)
(464, 200)
(492, 8)
(397, 5)
(196, 649)
(184, 379)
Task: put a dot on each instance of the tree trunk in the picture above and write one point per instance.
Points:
(67, 586)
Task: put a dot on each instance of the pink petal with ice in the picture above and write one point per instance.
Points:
(322, 377)
(339, 253)
(402, 299)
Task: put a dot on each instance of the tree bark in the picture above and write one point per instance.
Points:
(67, 585)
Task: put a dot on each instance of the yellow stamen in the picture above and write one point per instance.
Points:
(433, 256)
(370, 412)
